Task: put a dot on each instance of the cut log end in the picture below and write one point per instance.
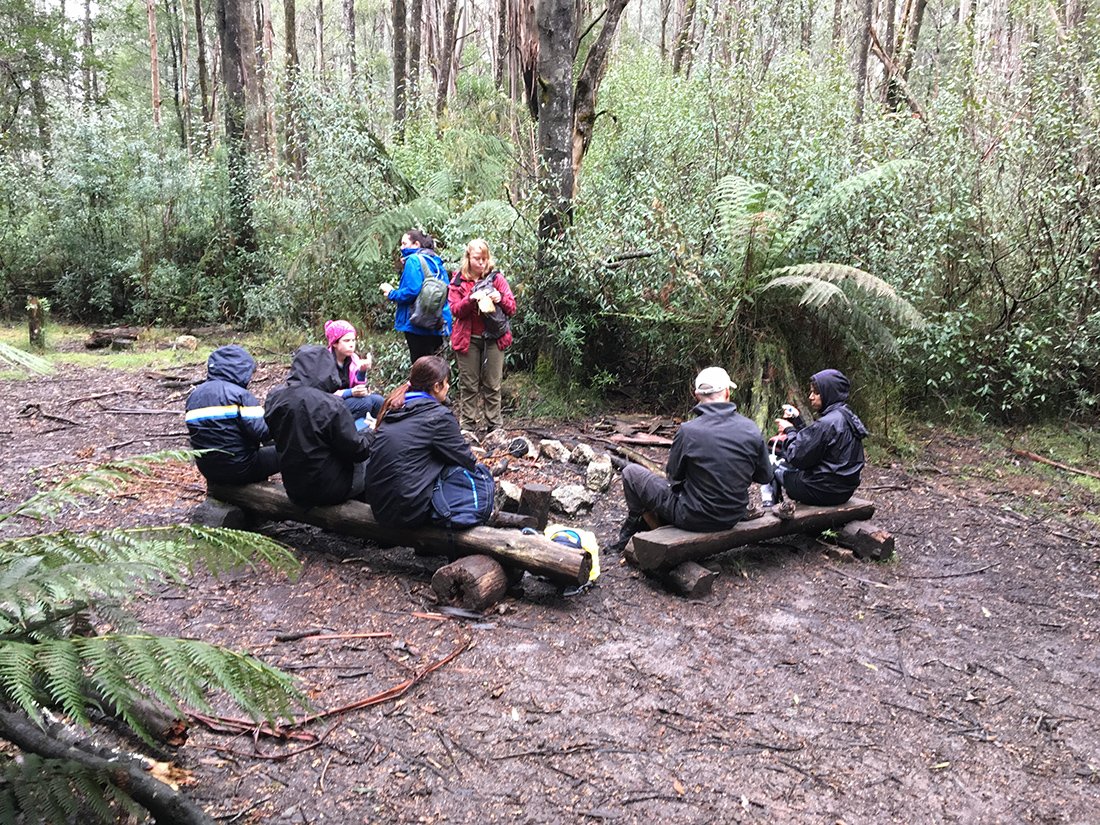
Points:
(691, 580)
(214, 513)
(866, 540)
(534, 501)
(472, 582)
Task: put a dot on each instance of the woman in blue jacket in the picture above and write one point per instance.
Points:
(419, 261)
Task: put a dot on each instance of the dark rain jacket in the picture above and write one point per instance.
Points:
(409, 449)
(714, 458)
(314, 433)
(829, 452)
(223, 415)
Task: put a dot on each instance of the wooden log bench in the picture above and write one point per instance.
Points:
(536, 554)
(665, 549)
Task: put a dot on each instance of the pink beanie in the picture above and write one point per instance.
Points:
(335, 330)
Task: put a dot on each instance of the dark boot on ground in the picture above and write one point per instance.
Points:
(631, 526)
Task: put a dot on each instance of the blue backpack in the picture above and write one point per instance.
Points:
(463, 498)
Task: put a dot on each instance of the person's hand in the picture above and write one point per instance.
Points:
(359, 390)
(784, 425)
(790, 412)
(386, 288)
(366, 362)
(495, 295)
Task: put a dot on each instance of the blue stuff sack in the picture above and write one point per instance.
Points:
(463, 498)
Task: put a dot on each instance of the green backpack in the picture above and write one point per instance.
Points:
(427, 312)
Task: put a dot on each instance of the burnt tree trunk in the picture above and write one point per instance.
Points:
(400, 49)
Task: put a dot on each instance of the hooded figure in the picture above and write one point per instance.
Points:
(225, 418)
(321, 454)
(824, 460)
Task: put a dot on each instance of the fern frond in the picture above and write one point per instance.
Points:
(24, 361)
(441, 186)
(488, 218)
(808, 276)
(843, 191)
(59, 791)
(748, 213)
(99, 481)
(385, 228)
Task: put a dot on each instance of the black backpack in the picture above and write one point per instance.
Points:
(463, 498)
(496, 322)
(427, 312)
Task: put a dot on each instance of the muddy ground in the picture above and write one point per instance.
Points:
(958, 683)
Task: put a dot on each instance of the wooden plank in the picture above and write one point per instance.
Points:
(668, 547)
(534, 553)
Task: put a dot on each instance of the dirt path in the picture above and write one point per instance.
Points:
(958, 683)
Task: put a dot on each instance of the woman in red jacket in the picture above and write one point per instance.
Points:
(481, 304)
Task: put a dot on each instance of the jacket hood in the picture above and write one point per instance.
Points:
(715, 408)
(832, 385)
(232, 364)
(413, 406)
(314, 366)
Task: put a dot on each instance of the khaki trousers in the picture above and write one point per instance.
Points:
(480, 373)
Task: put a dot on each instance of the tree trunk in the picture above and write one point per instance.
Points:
(400, 53)
(588, 84)
(91, 80)
(319, 36)
(173, 50)
(665, 11)
(863, 46)
(416, 19)
(265, 79)
(503, 39)
(293, 146)
(154, 59)
(36, 323)
(349, 36)
(446, 58)
(233, 20)
(838, 21)
(185, 93)
(683, 38)
(557, 28)
(204, 78)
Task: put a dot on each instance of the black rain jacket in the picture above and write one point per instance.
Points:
(314, 433)
(829, 452)
(223, 415)
(713, 459)
(409, 450)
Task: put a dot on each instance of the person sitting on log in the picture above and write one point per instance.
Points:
(226, 419)
(321, 454)
(713, 460)
(353, 387)
(823, 461)
(415, 439)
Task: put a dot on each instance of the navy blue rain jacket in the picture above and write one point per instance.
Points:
(223, 415)
(314, 433)
(409, 449)
(829, 452)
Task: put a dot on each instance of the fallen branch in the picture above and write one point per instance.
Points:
(635, 456)
(1058, 464)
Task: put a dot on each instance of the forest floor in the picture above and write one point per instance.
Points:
(958, 682)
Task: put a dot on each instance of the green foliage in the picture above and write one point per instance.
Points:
(53, 583)
(21, 359)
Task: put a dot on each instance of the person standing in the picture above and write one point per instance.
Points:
(713, 460)
(321, 454)
(823, 461)
(481, 303)
(419, 262)
(341, 337)
(226, 419)
(416, 438)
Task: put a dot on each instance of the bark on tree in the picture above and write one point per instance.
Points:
(174, 44)
(684, 40)
(400, 55)
(557, 28)
(238, 47)
(416, 19)
(264, 78)
(204, 77)
(349, 37)
(862, 48)
(293, 144)
(906, 51)
(503, 40)
(446, 57)
(154, 59)
(319, 39)
(36, 323)
(185, 88)
(588, 84)
(838, 19)
(91, 81)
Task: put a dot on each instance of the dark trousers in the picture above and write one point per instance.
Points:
(795, 487)
(646, 491)
(421, 345)
(263, 465)
(359, 407)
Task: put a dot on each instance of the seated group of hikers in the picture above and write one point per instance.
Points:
(324, 456)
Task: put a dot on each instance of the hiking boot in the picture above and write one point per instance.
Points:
(784, 510)
(632, 525)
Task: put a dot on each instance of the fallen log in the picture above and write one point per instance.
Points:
(472, 582)
(866, 540)
(668, 547)
(691, 579)
(534, 553)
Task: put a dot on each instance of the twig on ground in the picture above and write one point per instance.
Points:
(871, 582)
(1058, 464)
(143, 438)
(950, 575)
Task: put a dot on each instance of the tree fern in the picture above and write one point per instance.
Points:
(48, 579)
(822, 282)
